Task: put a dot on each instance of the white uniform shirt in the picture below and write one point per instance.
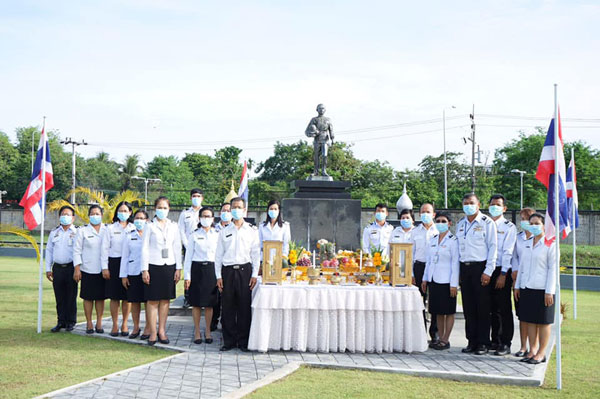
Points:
(112, 241)
(442, 264)
(377, 236)
(219, 226)
(477, 241)
(157, 239)
(237, 247)
(59, 248)
(518, 251)
(398, 235)
(275, 233)
(87, 249)
(537, 269)
(420, 240)
(507, 236)
(202, 247)
(131, 255)
(188, 222)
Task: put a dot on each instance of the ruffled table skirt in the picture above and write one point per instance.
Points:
(325, 318)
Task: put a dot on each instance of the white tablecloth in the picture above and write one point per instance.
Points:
(328, 318)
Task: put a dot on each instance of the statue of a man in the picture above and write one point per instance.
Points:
(321, 129)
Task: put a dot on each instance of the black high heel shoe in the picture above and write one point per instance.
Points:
(100, 330)
(163, 341)
(134, 335)
(151, 343)
(533, 361)
(208, 340)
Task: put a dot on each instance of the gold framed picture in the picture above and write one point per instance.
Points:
(272, 262)
(401, 263)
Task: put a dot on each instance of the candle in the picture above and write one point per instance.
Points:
(360, 261)
(313, 262)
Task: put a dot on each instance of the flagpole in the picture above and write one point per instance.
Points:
(557, 146)
(574, 238)
(41, 277)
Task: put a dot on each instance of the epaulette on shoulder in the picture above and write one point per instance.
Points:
(508, 222)
(452, 237)
(485, 218)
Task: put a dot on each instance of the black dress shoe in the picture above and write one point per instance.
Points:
(244, 348)
(198, 341)
(114, 334)
(57, 327)
(163, 341)
(526, 359)
(70, 326)
(100, 330)
(433, 343)
(89, 331)
(468, 349)
(502, 350)
(442, 346)
(144, 337)
(134, 335)
(521, 353)
(225, 348)
(124, 333)
(533, 361)
(481, 350)
(208, 340)
(494, 346)
(151, 343)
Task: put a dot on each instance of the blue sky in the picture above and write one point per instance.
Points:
(166, 77)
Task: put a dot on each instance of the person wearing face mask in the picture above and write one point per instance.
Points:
(477, 247)
(161, 269)
(199, 273)
(224, 217)
(535, 288)
(59, 269)
(521, 242)
(274, 228)
(502, 322)
(441, 276)
(403, 233)
(237, 261)
(88, 268)
(112, 245)
(378, 233)
(420, 237)
(130, 271)
(188, 222)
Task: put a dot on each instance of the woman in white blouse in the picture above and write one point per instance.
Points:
(403, 233)
(112, 244)
(441, 274)
(274, 228)
(88, 268)
(161, 268)
(131, 271)
(522, 239)
(535, 288)
(199, 273)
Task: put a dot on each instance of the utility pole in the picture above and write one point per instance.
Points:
(445, 161)
(146, 181)
(73, 143)
(472, 116)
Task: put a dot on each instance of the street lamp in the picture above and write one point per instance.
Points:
(445, 162)
(146, 181)
(521, 172)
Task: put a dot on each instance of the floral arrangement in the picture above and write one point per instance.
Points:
(297, 255)
(326, 250)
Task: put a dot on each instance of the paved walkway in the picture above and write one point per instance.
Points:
(201, 371)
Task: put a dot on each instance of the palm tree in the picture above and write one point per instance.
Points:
(130, 167)
(103, 156)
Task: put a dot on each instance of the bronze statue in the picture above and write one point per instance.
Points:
(321, 129)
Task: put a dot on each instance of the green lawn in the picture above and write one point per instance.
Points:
(581, 362)
(32, 364)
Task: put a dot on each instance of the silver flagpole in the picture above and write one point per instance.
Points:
(557, 241)
(40, 286)
(574, 240)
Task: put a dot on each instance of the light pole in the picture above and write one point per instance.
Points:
(146, 181)
(521, 172)
(73, 143)
(445, 162)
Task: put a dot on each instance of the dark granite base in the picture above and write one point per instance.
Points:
(321, 189)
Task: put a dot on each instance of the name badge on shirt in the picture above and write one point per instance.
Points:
(90, 236)
(134, 239)
(228, 235)
(165, 253)
(478, 229)
(374, 232)
(501, 232)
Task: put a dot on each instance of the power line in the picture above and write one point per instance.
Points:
(542, 118)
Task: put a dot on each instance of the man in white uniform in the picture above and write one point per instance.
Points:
(378, 233)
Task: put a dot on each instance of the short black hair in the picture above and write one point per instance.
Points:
(237, 199)
(381, 205)
(538, 215)
(498, 196)
(407, 212)
(470, 195)
(196, 191)
(62, 208)
(226, 203)
(128, 205)
(141, 211)
(443, 214)
(162, 198)
(205, 208)
(94, 206)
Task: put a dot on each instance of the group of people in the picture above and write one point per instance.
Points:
(490, 263)
(136, 260)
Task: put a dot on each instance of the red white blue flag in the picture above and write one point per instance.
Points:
(572, 198)
(545, 174)
(33, 197)
(243, 191)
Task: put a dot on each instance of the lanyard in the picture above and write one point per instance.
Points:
(164, 233)
(468, 226)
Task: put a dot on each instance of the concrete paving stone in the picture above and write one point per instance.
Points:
(188, 395)
(190, 389)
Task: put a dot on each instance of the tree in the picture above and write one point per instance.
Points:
(176, 178)
(459, 181)
(129, 168)
(100, 173)
(288, 162)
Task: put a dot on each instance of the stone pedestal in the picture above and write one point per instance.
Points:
(323, 209)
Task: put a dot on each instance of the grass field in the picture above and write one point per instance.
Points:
(581, 363)
(32, 364)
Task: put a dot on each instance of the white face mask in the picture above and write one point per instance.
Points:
(206, 222)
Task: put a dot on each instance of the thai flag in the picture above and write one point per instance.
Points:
(32, 199)
(243, 191)
(545, 174)
(572, 198)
